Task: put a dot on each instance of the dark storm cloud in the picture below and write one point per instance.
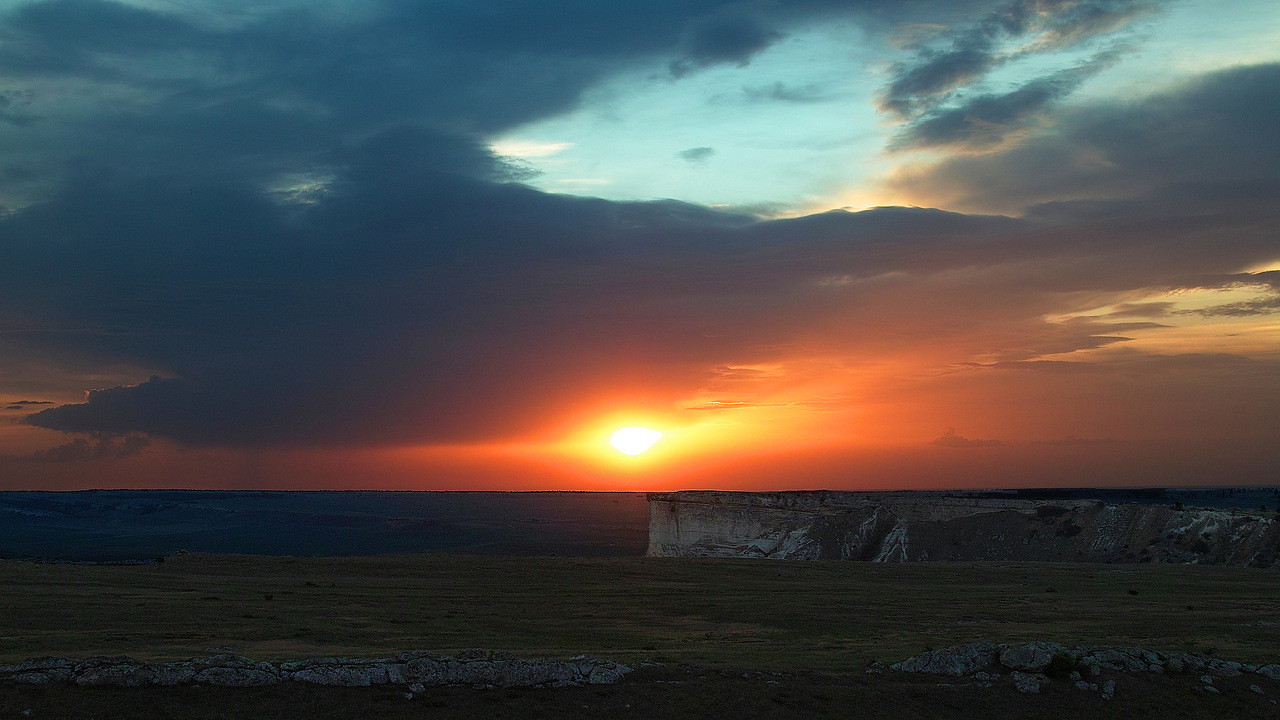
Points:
(11, 117)
(987, 119)
(921, 85)
(98, 447)
(293, 221)
(726, 37)
(1207, 141)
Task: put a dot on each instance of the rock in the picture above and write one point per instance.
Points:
(1206, 679)
(1212, 689)
(1126, 659)
(956, 661)
(350, 675)
(1028, 682)
(128, 674)
(421, 669)
(236, 677)
(1029, 657)
(1224, 668)
(1082, 685)
(1108, 689)
(1075, 675)
(224, 660)
(1270, 671)
(178, 673)
(1173, 664)
(1256, 689)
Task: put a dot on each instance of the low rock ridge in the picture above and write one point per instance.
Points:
(1030, 666)
(415, 670)
(934, 526)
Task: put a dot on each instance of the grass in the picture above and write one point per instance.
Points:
(828, 617)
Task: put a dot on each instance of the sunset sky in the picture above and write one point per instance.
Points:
(456, 245)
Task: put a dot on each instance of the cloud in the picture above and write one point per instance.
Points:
(987, 119)
(696, 155)
(724, 37)
(423, 295)
(100, 447)
(1245, 308)
(1072, 440)
(950, 439)
(783, 92)
(1203, 142)
(18, 119)
(1008, 33)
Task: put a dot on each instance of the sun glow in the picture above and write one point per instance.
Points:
(634, 440)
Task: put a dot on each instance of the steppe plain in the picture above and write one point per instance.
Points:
(708, 637)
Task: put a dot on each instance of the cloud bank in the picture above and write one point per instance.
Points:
(285, 227)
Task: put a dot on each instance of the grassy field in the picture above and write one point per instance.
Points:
(828, 617)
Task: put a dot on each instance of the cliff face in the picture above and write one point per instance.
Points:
(903, 527)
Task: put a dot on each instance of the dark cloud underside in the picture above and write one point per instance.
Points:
(294, 221)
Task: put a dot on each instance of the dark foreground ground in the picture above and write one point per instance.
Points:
(666, 692)
(736, 638)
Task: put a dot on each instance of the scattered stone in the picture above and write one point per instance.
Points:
(417, 670)
(1108, 689)
(1212, 689)
(1206, 679)
(120, 672)
(1028, 682)
(1029, 657)
(1256, 689)
(236, 677)
(1270, 671)
(1082, 685)
(956, 661)
(1224, 668)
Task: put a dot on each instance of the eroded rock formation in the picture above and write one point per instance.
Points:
(914, 526)
(1029, 665)
(418, 669)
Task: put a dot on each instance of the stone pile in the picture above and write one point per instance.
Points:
(416, 669)
(1028, 664)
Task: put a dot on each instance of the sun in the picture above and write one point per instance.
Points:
(634, 440)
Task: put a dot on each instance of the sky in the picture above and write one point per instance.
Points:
(453, 245)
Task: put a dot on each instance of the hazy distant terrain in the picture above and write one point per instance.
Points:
(134, 525)
(104, 525)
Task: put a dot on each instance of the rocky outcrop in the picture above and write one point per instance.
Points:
(917, 526)
(1029, 665)
(415, 669)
